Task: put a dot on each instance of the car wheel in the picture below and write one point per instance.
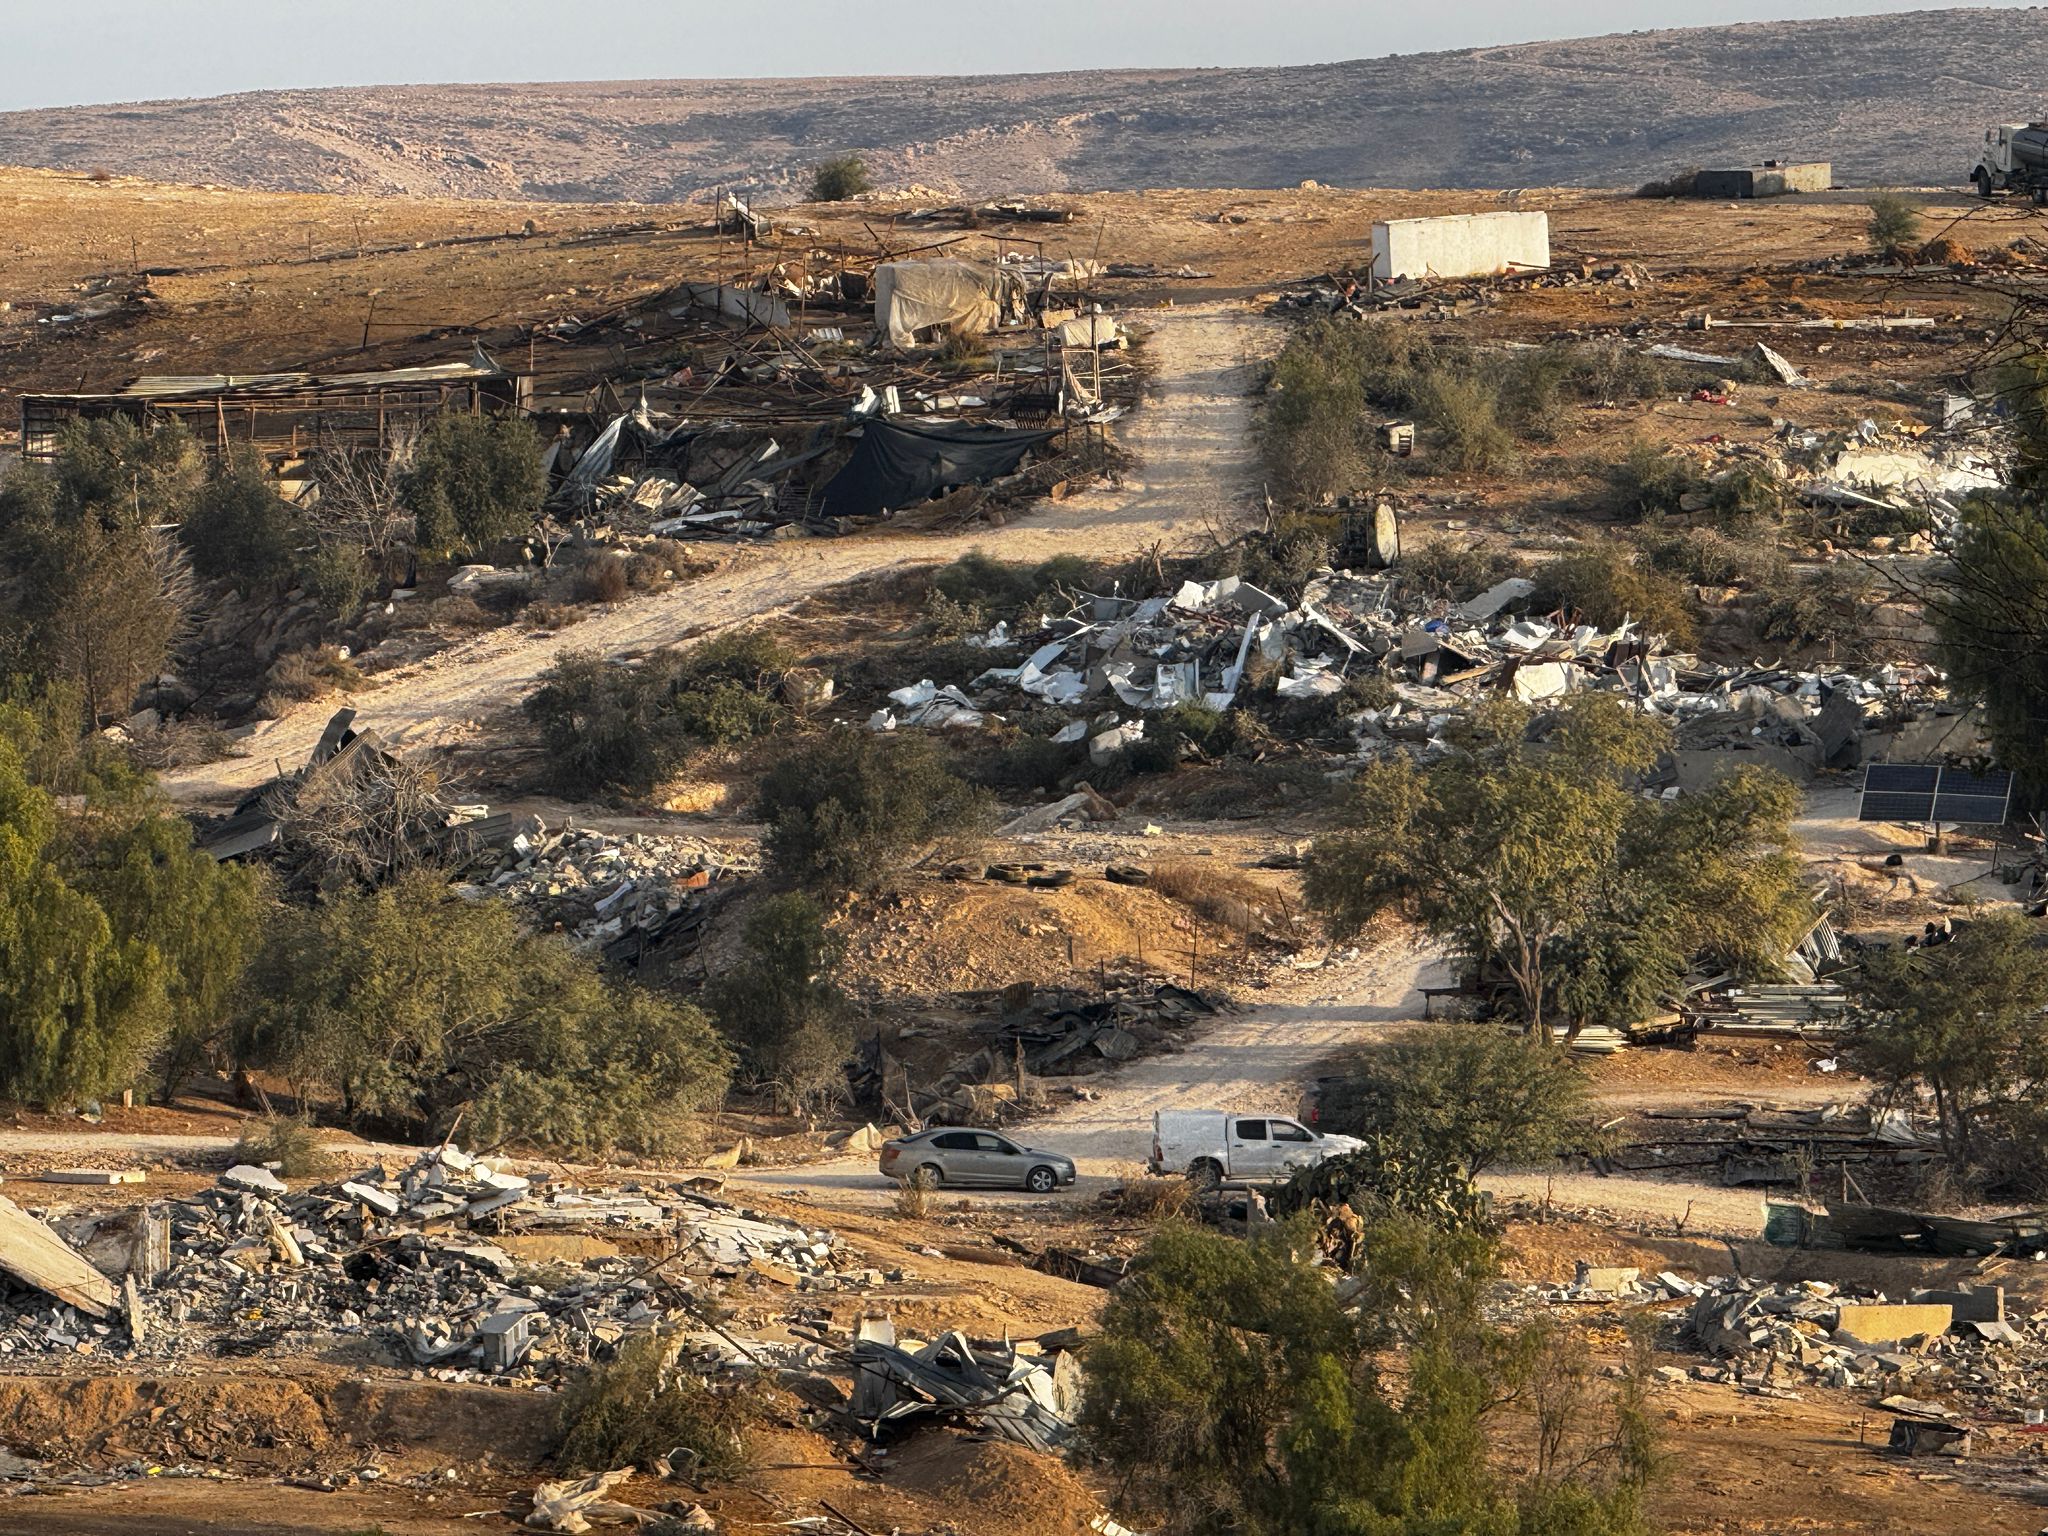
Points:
(1206, 1175)
(1983, 181)
(927, 1176)
(1041, 1181)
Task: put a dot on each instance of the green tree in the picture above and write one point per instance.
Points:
(411, 1005)
(240, 529)
(1312, 428)
(1467, 1092)
(1964, 1023)
(837, 179)
(1894, 223)
(96, 594)
(1541, 863)
(474, 480)
(1230, 1392)
(780, 1007)
(118, 940)
(852, 808)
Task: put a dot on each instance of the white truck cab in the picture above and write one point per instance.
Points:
(2014, 159)
(1212, 1146)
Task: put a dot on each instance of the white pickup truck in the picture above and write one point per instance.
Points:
(1214, 1147)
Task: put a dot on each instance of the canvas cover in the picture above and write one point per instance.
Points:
(963, 295)
(899, 465)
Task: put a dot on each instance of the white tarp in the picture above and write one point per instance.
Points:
(911, 296)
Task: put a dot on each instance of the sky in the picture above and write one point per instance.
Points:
(135, 50)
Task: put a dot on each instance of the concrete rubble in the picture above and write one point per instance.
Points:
(623, 895)
(404, 1260)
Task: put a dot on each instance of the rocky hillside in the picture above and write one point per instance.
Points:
(1899, 98)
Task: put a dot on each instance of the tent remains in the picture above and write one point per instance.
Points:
(898, 464)
(963, 296)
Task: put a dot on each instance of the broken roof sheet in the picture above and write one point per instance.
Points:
(197, 386)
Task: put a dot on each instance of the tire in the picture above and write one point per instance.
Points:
(1206, 1175)
(926, 1176)
(1983, 180)
(1041, 1181)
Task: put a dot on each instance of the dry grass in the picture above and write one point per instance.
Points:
(299, 676)
(1222, 895)
(913, 1201)
(1141, 1196)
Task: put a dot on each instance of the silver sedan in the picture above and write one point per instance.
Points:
(948, 1155)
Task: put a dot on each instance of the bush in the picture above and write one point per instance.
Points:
(1223, 896)
(286, 1143)
(1603, 584)
(473, 480)
(335, 578)
(1649, 482)
(520, 1034)
(980, 590)
(837, 179)
(639, 1407)
(851, 809)
(1443, 568)
(1465, 413)
(1282, 559)
(1894, 226)
(1031, 762)
(780, 1007)
(1479, 1095)
(1828, 607)
(1677, 184)
(602, 579)
(1713, 559)
(240, 529)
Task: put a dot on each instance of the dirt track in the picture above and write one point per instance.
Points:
(1194, 474)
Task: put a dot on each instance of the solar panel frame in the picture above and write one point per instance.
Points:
(1934, 792)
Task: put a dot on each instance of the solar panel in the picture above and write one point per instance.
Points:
(1973, 797)
(1933, 793)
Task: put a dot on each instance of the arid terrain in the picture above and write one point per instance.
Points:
(1896, 99)
(544, 231)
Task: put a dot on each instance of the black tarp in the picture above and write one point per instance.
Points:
(899, 465)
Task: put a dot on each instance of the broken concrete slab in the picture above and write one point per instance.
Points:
(1610, 1280)
(35, 1255)
(1970, 1304)
(1892, 1322)
(250, 1177)
(106, 1176)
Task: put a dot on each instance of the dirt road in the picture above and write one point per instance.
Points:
(1194, 473)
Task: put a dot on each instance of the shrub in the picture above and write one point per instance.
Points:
(1749, 496)
(1032, 762)
(335, 578)
(995, 589)
(837, 179)
(1282, 559)
(473, 480)
(1713, 559)
(1223, 896)
(1826, 607)
(1603, 584)
(602, 579)
(1480, 1095)
(1894, 224)
(1677, 184)
(287, 1143)
(726, 689)
(1465, 412)
(240, 529)
(1649, 482)
(852, 808)
(640, 1406)
(780, 1007)
(599, 726)
(1443, 568)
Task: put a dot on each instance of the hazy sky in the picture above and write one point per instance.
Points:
(55, 54)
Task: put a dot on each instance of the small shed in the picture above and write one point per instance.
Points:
(1771, 179)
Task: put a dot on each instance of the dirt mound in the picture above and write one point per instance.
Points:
(945, 937)
(991, 1485)
(268, 1421)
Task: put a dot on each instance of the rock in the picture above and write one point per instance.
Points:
(249, 1176)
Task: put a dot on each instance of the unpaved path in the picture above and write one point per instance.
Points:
(1194, 473)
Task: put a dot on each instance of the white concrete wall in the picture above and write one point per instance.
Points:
(1460, 245)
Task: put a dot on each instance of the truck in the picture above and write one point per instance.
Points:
(2015, 159)
(1213, 1147)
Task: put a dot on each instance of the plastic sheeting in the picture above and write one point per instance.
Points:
(911, 296)
(899, 465)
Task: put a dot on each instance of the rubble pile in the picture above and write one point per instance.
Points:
(622, 895)
(1113, 660)
(406, 1260)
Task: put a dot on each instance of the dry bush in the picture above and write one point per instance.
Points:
(181, 744)
(287, 1143)
(299, 676)
(1223, 896)
(604, 579)
(640, 1406)
(1139, 1196)
(553, 616)
(913, 1200)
